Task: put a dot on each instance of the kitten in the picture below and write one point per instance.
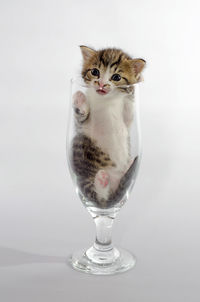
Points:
(101, 156)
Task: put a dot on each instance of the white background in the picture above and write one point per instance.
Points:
(41, 219)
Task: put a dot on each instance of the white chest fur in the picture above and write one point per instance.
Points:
(107, 127)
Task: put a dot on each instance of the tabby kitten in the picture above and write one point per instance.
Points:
(101, 156)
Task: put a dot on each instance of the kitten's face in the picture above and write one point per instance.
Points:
(109, 69)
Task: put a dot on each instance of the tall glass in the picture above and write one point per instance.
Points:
(103, 160)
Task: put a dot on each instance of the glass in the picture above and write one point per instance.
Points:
(103, 154)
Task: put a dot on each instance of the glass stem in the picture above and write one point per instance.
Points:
(103, 240)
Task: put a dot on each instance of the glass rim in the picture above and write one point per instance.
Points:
(79, 81)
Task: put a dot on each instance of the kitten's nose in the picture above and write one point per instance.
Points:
(101, 84)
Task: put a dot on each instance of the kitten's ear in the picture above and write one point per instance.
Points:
(87, 52)
(138, 65)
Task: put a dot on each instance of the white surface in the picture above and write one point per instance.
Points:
(39, 211)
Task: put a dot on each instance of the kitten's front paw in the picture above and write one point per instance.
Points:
(79, 103)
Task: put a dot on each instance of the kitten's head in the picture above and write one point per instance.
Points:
(110, 68)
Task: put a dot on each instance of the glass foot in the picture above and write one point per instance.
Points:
(123, 262)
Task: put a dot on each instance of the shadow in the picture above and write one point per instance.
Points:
(13, 257)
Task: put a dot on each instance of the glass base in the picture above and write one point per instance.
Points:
(123, 261)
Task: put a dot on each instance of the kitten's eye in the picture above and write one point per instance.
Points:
(116, 77)
(95, 72)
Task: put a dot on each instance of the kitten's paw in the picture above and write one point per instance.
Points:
(102, 179)
(79, 98)
(79, 103)
(102, 184)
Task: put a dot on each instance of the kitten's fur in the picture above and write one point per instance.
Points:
(101, 151)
